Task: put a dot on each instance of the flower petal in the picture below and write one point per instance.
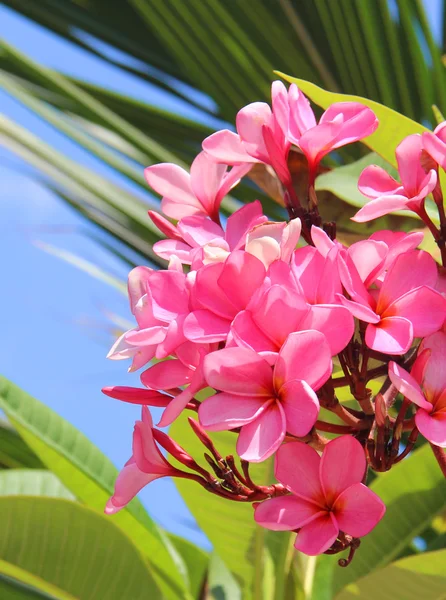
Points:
(358, 510)
(423, 307)
(205, 326)
(228, 411)
(375, 182)
(206, 176)
(166, 375)
(317, 536)
(300, 405)
(241, 276)
(406, 385)
(343, 463)
(297, 467)
(393, 335)
(226, 146)
(380, 206)
(285, 514)
(259, 439)
(334, 321)
(128, 483)
(432, 426)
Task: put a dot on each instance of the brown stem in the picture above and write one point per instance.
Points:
(409, 447)
(440, 455)
(333, 428)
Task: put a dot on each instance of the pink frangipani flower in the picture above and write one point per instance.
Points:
(389, 195)
(273, 241)
(327, 495)
(404, 307)
(425, 386)
(266, 403)
(435, 144)
(145, 465)
(199, 193)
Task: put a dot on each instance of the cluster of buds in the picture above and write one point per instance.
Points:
(276, 317)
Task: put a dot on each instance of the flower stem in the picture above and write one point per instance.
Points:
(440, 455)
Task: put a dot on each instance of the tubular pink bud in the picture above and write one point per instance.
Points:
(139, 396)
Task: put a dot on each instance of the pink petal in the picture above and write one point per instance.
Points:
(343, 464)
(128, 483)
(226, 147)
(315, 143)
(406, 385)
(334, 321)
(358, 510)
(375, 182)
(290, 239)
(305, 356)
(174, 338)
(266, 249)
(321, 241)
(317, 536)
(231, 179)
(138, 285)
(307, 266)
(278, 313)
(164, 225)
(368, 257)
(173, 182)
(179, 403)
(134, 395)
(285, 514)
(249, 123)
(380, 206)
(393, 335)
(178, 210)
(409, 271)
(240, 222)
(146, 337)
(352, 281)
(145, 451)
(408, 155)
(360, 311)
(199, 230)
(241, 276)
(423, 307)
(300, 405)
(239, 371)
(227, 411)
(297, 467)
(248, 335)
(301, 114)
(210, 295)
(169, 294)
(279, 102)
(166, 375)
(435, 147)
(168, 248)
(206, 176)
(432, 426)
(259, 439)
(205, 326)
(358, 121)
(435, 373)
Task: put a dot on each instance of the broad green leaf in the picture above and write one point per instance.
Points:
(421, 576)
(14, 453)
(90, 476)
(32, 482)
(220, 581)
(414, 492)
(196, 561)
(393, 126)
(229, 525)
(74, 548)
(19, 584)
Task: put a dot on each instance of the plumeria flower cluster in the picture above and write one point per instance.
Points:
(269, 320)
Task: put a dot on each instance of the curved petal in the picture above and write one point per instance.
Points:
(435, 373)
(393, 335)
(432, 426)
(209, 293)
(285, 514)
(380, 206)
(248, 335)
(306, 356)
(199, 230)
(169, 294)
(358, 121)
(239, 371)
(435, 147)
(168, 248)
(249, 121)
(228, 411)
(146, 337)
(343, 464)
(173, 182)
(358, 510)
(423, 307)
(134, 395)
(409, 271)
(375, 182)
(226, 146)
(301, 407)
(166, 375)
(358, 310)
(408, 155)
(259, 439)
(266, 249)
(317, 536)
(334, 321)
(128, 483)
(240, 222)
(241, 276)
(318, 141)
(179, 403)
(407, 386)
(206, 176)
(297, 467)
(368, 256)
(301, 114)
(205, 326)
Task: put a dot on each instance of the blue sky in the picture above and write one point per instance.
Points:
(54, 332)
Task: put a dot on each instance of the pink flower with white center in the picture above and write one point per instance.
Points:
(220, 292)
(425, 386)
(435, 144)
(266, 403)
(406, 305)
(199, 193)
(145, 465)
(198, 241)
(186, 369)
(341, 124)
(389, 195)
(327, 495)
(273, 241)
(260, 137)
